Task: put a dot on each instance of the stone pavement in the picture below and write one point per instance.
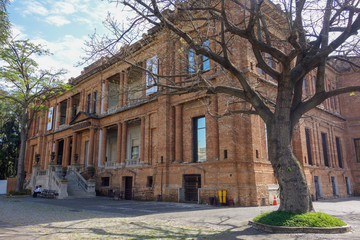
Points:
(104, 218)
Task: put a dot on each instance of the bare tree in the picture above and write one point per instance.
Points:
(287, 40)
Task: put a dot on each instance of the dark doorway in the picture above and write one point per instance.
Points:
(334, 186)
(60, 152)
(192, 183)
(317, 187)
(128, 188)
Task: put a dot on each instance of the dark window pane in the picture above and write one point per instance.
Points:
(325, 151)
(95, 100)
(338, 149)
(88, 103)
(357, 149)
(308, 146)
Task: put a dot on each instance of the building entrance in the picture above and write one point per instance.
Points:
(192, 183)
(317, 187)
(60, 152)
(128, 187)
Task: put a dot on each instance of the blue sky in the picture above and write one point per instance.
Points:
(62, 26)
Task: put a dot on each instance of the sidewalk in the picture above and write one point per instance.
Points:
(103, 218)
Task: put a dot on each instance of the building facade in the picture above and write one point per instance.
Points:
(146, 145)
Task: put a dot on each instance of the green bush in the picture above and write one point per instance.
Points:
(312, 219)
(21, 192)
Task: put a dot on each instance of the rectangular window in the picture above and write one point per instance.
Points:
(325, 150)
(50, 118)
(357, 149)
(75, 105)
(191, 61)
(305, 87)
(63, 106)
(152, 68)
(199, 140)
(113, 91)
(95, 102)
(308, 146)
(133, 142)
(314, 78)
(338, 149)
(149, 181)
(205, 60)
(88, 103)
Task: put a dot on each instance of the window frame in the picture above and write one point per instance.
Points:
(133, 133)
(88, 103)
(94, 101)
(339, 152)
(357, 149)
(152, 65)
(325, 149)
(63, 116)
(308, 146)
(191, 61)
(196, 138)
(205, 61)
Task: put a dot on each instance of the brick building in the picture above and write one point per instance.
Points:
(145, 145)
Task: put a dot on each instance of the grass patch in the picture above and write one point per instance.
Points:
(311, 219)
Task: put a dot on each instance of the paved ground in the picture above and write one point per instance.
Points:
(103, 218)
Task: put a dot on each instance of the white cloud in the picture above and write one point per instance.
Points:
(67, 51)
(57, 20)
(34, 7)
(63, 8)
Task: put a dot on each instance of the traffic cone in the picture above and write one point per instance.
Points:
(275, 201)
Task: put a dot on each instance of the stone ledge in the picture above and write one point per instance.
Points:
(280, 229)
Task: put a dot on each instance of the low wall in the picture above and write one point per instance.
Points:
(11, 183)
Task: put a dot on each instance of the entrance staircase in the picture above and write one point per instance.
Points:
(72, 186)
(75, 189)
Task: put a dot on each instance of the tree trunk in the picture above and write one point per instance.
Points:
(294, 192)
(21, 161)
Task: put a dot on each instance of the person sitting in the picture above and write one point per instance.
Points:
(37, 191)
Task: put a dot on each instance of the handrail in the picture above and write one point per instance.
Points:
(80, 180)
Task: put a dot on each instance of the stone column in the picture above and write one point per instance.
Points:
(178, 134)
(106, 95)
(142, 140)
(74, 148)
(143, 90)
(103, 146)
(68, 111)
(66, 152)
(123, 142)
(121, 89)
(91, 146)
(125, 90)
(148, 139)
(118, 143)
